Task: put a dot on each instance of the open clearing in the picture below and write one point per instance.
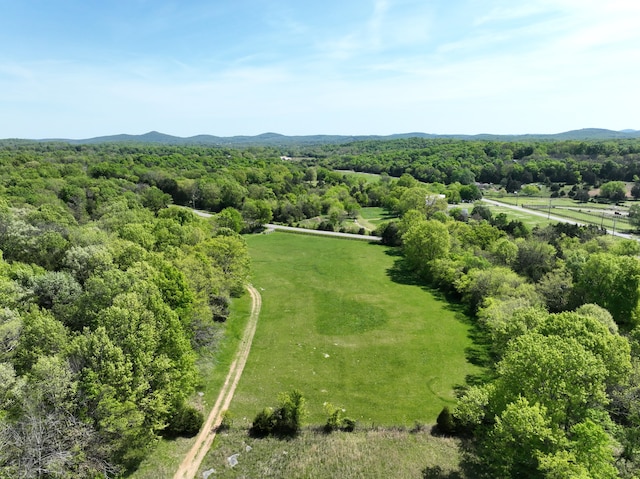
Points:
(338, 323)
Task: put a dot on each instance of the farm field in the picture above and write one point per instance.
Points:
(335, 325)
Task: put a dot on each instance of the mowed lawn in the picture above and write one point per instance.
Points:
(336, 326)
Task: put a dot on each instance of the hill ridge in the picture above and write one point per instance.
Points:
(277, 139)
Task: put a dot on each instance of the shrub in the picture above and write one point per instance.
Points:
(289, 415)
(263, 423)
(446, 423)
(285, 420)
(186, 422)
(226, 422)
(336, 419)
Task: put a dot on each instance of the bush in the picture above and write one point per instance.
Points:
(226, 422)
(285, 420)
(263, 423)
(186, 422)
(336, 419)
(446, 423)
(390, 234)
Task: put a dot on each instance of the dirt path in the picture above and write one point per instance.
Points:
(191, 463)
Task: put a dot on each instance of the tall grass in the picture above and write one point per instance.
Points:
(371, 454)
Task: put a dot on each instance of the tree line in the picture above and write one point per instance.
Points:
(558, 310)
(510, 164)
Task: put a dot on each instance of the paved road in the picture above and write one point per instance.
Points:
(553, 217)
(322, 233)
(291, 229)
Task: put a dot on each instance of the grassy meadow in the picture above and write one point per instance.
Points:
(370, 454)
(342, 324)
(371, 217)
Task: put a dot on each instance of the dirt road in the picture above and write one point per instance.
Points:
(191, 463)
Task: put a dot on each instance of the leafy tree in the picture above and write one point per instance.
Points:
(612, 282)
(556, 288)
(230, 255)
(470, 193)
(534, 259)
(48, 438)
(613, 190)
(229, 218)
(634, 215)
(582, 195)
(481, 212)
(521, 433)
(497, 282)
(256, 213)
(530, 190)
(505, 251)
(425, 241)
(285, 420)
(42, 335)
(155, 199)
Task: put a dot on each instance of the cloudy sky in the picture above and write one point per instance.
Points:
(84, 68)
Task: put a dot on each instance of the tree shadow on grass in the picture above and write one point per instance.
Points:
(479, 352)
(470, 467)
(436, 472)
(401, 273)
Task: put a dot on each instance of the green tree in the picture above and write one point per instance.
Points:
(155, 199)
(613, 190)
(612, 282)
(530, 190)
(42, 335)
(229, 218)
(425, 241)
(522, 432)
(556, 288)
(256, 213)
(634, 215)
(555, 371)
(470, 193)
(505, 251)
(535, 259)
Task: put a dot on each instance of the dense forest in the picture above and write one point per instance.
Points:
(110, 288)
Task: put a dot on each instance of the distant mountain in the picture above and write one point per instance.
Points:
(276, 139)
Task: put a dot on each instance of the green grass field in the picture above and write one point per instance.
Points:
(599, 214)
(368, 177)
(529, 220)
(335, 325)
(371, 217)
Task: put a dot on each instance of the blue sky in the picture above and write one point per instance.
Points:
(84, 68)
